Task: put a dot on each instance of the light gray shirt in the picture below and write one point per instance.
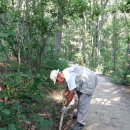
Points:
(80, 78)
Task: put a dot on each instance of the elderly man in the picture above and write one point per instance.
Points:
(81, 80)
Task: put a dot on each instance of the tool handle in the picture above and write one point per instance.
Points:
(61, 121)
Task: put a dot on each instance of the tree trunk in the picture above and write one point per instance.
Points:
(114, 37)
(19, 36)
(100, 23)
(58, 43)
(58, 37)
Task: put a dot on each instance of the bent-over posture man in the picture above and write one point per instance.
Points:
(81, 80)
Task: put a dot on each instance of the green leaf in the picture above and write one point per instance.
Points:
(1, 105)
(18, 79)
(6, 111)
(17, 105)
(21, 116)
(12, 33)
(3, 129)
(12, 127)
(3, 35)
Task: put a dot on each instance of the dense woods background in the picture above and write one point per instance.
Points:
(37, 36)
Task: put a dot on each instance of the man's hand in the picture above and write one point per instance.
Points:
(68, 97)
(64, 109)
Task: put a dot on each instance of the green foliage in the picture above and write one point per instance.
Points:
(22, 90)
(5, 114)
(53, 63)
(3, 35)
(62, 64)
(76, 7)
(13, 117)
(118, 77)
(125, 6)
(12, 127)
(41, 123)
(96, 12)
(3, 129)
(19, 84)
(122, 76)
(3, 6)
(27, 44)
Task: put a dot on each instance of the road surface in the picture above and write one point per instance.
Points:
(110, 107)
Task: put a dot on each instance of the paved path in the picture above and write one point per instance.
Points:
(110, 107)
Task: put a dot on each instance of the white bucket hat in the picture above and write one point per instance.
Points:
(53, 75)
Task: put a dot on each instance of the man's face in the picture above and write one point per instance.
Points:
(60, 78)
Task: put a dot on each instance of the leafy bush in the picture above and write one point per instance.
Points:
(53, 63)
(41, 123)
(62, 64)
(120, 77)
(13, 116)
(22, 91)
(19, 84)
(117, 79)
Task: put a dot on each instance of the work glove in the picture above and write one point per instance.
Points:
(64, 109)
